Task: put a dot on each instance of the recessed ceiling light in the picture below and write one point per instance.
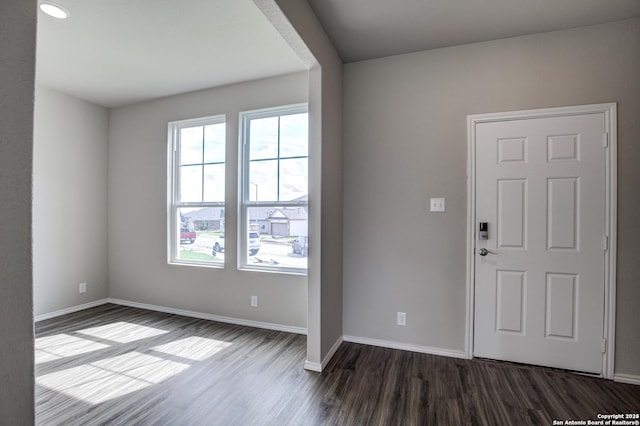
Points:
(54, 10)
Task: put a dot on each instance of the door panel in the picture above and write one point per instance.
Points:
(562, 214)
(540, 184)
(512, 220)
(561, 305)
(510, 301)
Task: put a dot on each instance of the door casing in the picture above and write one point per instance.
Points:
(611, 154)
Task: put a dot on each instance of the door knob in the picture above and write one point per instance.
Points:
(483, 252)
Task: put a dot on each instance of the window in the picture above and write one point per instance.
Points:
(196, 190)
(274, 211)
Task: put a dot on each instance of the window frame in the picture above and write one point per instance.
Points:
(244, 186)
(173, 188)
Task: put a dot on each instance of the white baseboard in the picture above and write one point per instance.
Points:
(332, 351)
(211, 317)
(308, 365)
(313, 366)
(406, 347)
(70, 310)
(192, 314)
(627, 378)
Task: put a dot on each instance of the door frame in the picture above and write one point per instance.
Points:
(611, 172)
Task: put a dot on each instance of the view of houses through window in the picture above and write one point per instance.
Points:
(277, 235)
(275, 189)
(197, 182)
(201, 230)
(273, 173)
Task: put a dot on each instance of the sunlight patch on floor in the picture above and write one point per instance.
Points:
(194, 348)
(58, 346)
(122, 332)
(110, 378)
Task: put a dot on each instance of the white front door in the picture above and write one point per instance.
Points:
(540, 287)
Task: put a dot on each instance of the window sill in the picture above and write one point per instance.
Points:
(177, 262)
(281, 271)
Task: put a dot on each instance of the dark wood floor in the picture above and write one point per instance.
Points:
(122, 366)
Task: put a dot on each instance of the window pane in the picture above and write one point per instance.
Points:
(294, 179)
(263, 143)
(201, 234)
(214, 142)
(199, 181)
(214, 182)
(294, 135)
(278, 237)
(263, 180)
(191, 145)
(190, 183)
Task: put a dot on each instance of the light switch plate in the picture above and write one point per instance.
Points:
(437, 204)
(402, 318)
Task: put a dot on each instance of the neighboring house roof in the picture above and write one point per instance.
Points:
(207, 213)
(260, 213)
(271, 212)
(257, 213)
(291, 213)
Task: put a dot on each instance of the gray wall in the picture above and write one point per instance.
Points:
(138, 269)
(305, 34)
(405, 141)
(69, 201)
(17, 75)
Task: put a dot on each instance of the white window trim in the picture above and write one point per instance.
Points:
(243, 190)
(173, 190)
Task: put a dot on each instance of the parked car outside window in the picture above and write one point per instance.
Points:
(254, 244)
(301, 246)
(187, 236)
(218, 247)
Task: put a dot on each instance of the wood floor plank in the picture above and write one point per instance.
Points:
(114, 365)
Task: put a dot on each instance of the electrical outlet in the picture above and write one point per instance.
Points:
(402, 318)
(436, 204)
(82, 288)
(254, 301)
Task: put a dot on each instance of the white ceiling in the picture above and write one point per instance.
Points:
(118, 52)
(365, 29)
